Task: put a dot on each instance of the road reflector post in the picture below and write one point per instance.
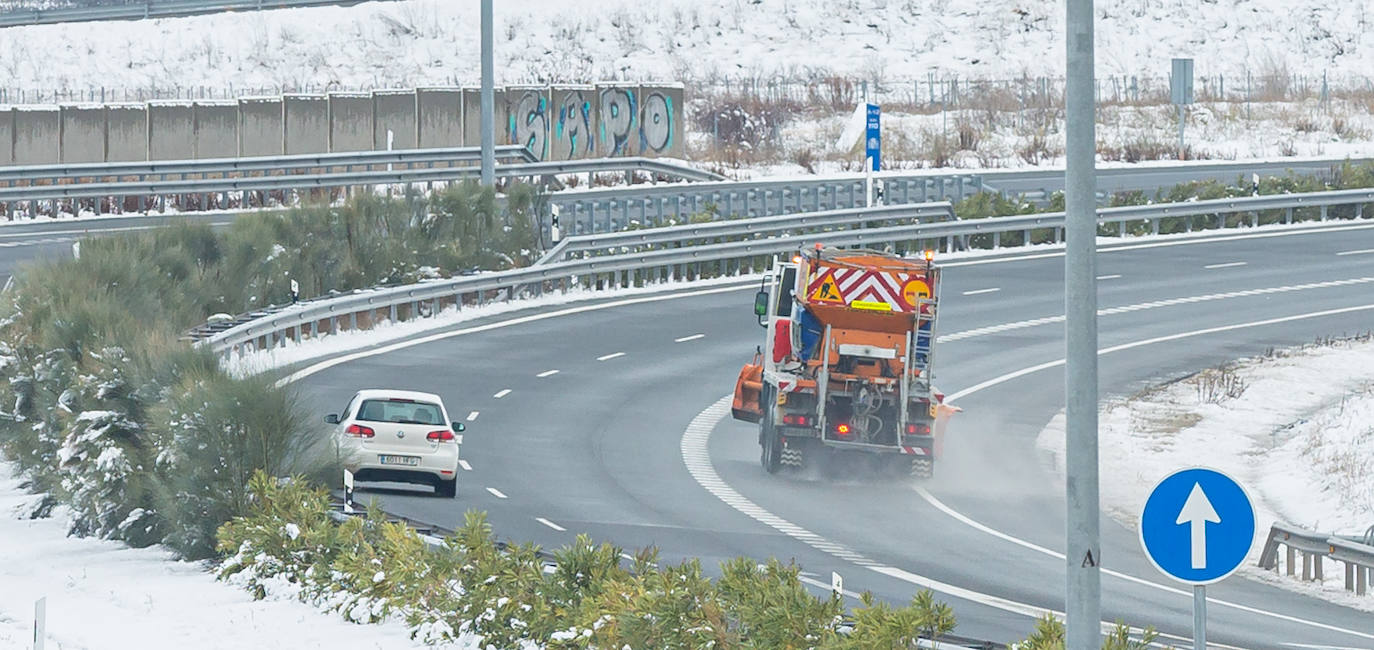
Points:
(40, 622)
(348, 492)
(836, 585)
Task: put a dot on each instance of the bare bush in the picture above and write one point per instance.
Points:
(968, 136)
(1217, 385)
(806, 159)
(1306, 124)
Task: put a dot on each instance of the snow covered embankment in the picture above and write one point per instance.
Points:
(103, 594)
(1296, 427)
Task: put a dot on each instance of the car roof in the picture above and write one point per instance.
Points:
(386, 393)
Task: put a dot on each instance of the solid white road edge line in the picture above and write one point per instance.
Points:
(929, 498)
(689, 338)
(1225, 265)
(502, 393)
(698, 461)
(1363, 251)
(608, 357)
(550, 524)
(496, 493)
(1171, 302)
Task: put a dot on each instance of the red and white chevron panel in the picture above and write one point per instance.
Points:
(865, 285)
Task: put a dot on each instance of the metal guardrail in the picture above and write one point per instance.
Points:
(209, 188)
(610, 243)
(1355, 552)
(164, 9)
(614, 209)
(274, 164)
(610, 210)
(364, 309)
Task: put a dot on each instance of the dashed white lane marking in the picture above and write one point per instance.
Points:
(550, 524)
(501, 393)
(472, 416)
(496, 493)
(689, 338)
(547, 373)
(1363, 251)
(1225, 265)
(981, 291)
(751, 282)
(608, 357)
(1109, 277)
(464, 464)
(1126, 309)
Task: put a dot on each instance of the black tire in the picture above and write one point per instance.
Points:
(770, 447)
(446, 489)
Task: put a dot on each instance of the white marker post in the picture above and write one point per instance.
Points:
(868, 182)
(348, 493)
(40, 622)
(836, 584)
(1197, 512)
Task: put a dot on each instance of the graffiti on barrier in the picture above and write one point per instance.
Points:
(529, 122)
(656, 125)
(617, 120)
(573, 136)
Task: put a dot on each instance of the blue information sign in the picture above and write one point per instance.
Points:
(1197, 526)
(873, 147)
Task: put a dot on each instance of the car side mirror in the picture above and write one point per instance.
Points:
(331, 418)
(459, 427)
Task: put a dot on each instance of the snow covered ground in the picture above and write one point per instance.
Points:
(1294, 427)
(428, 42)
(103, 595)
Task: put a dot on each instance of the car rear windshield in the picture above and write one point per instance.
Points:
(403, 411)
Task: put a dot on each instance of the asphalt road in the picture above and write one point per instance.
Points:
(23, 242)
(598, 447)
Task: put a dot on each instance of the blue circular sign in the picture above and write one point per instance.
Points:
(1198, 526)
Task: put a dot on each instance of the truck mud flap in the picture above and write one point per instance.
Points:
(748, 387)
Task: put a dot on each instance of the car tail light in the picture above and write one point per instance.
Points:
(794, 420)
(442, 435)
(360, 431)
(918, 429)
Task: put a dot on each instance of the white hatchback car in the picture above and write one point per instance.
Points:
(401, 436)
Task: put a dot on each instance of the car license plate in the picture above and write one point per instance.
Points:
(400, 460)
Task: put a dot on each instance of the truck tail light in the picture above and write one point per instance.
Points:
(442, 435)
(795, 420)
(360, 431)
(843, 430)
(918, 429)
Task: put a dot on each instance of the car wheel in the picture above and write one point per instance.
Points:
(447, 489)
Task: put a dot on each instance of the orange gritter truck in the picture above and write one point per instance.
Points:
(845, 366)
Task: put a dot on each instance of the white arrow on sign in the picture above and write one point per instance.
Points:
(1197, 511)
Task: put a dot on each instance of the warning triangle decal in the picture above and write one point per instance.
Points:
(827, 292)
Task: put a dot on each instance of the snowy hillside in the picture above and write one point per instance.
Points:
(428, 42)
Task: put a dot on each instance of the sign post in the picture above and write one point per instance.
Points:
(873, 150)
(1197, 527)
(1181, 92)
